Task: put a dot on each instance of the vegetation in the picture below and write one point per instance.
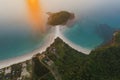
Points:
(117, 37)
(16, 70)
(102, 63)
(67, 60)
(59, 18)
(29, 66)
(39, 70)
(33, 67)
(1, 75)
(11, 73)
(49, 76)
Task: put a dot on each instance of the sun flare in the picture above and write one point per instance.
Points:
(36, 15)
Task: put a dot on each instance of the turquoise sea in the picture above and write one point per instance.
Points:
(92, 28)
(17, 42)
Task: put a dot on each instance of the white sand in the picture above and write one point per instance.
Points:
(48, 41)
(76, 47)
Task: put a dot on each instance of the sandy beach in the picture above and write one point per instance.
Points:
(48, 41)
(74, 46)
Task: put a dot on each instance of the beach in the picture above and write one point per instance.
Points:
(74, 46)
(47, 42)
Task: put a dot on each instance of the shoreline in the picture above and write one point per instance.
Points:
(48, 41)
(74, 46)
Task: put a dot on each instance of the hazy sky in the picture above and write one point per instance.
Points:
(78, 4)
(12, 8)
(17, 8)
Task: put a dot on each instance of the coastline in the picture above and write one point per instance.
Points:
(74, 46)
(48, 41)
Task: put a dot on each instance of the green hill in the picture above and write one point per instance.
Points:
(61, 62)
(102, 63)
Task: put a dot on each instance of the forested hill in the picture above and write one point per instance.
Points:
(102, 64)
(61, 62)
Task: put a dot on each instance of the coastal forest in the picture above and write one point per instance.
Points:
(61, 62)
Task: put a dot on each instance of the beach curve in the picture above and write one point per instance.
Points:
(48, 41)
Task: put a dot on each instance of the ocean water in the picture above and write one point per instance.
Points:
(96, 22)
(14, 44)
(16, 37)
(94, 29)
